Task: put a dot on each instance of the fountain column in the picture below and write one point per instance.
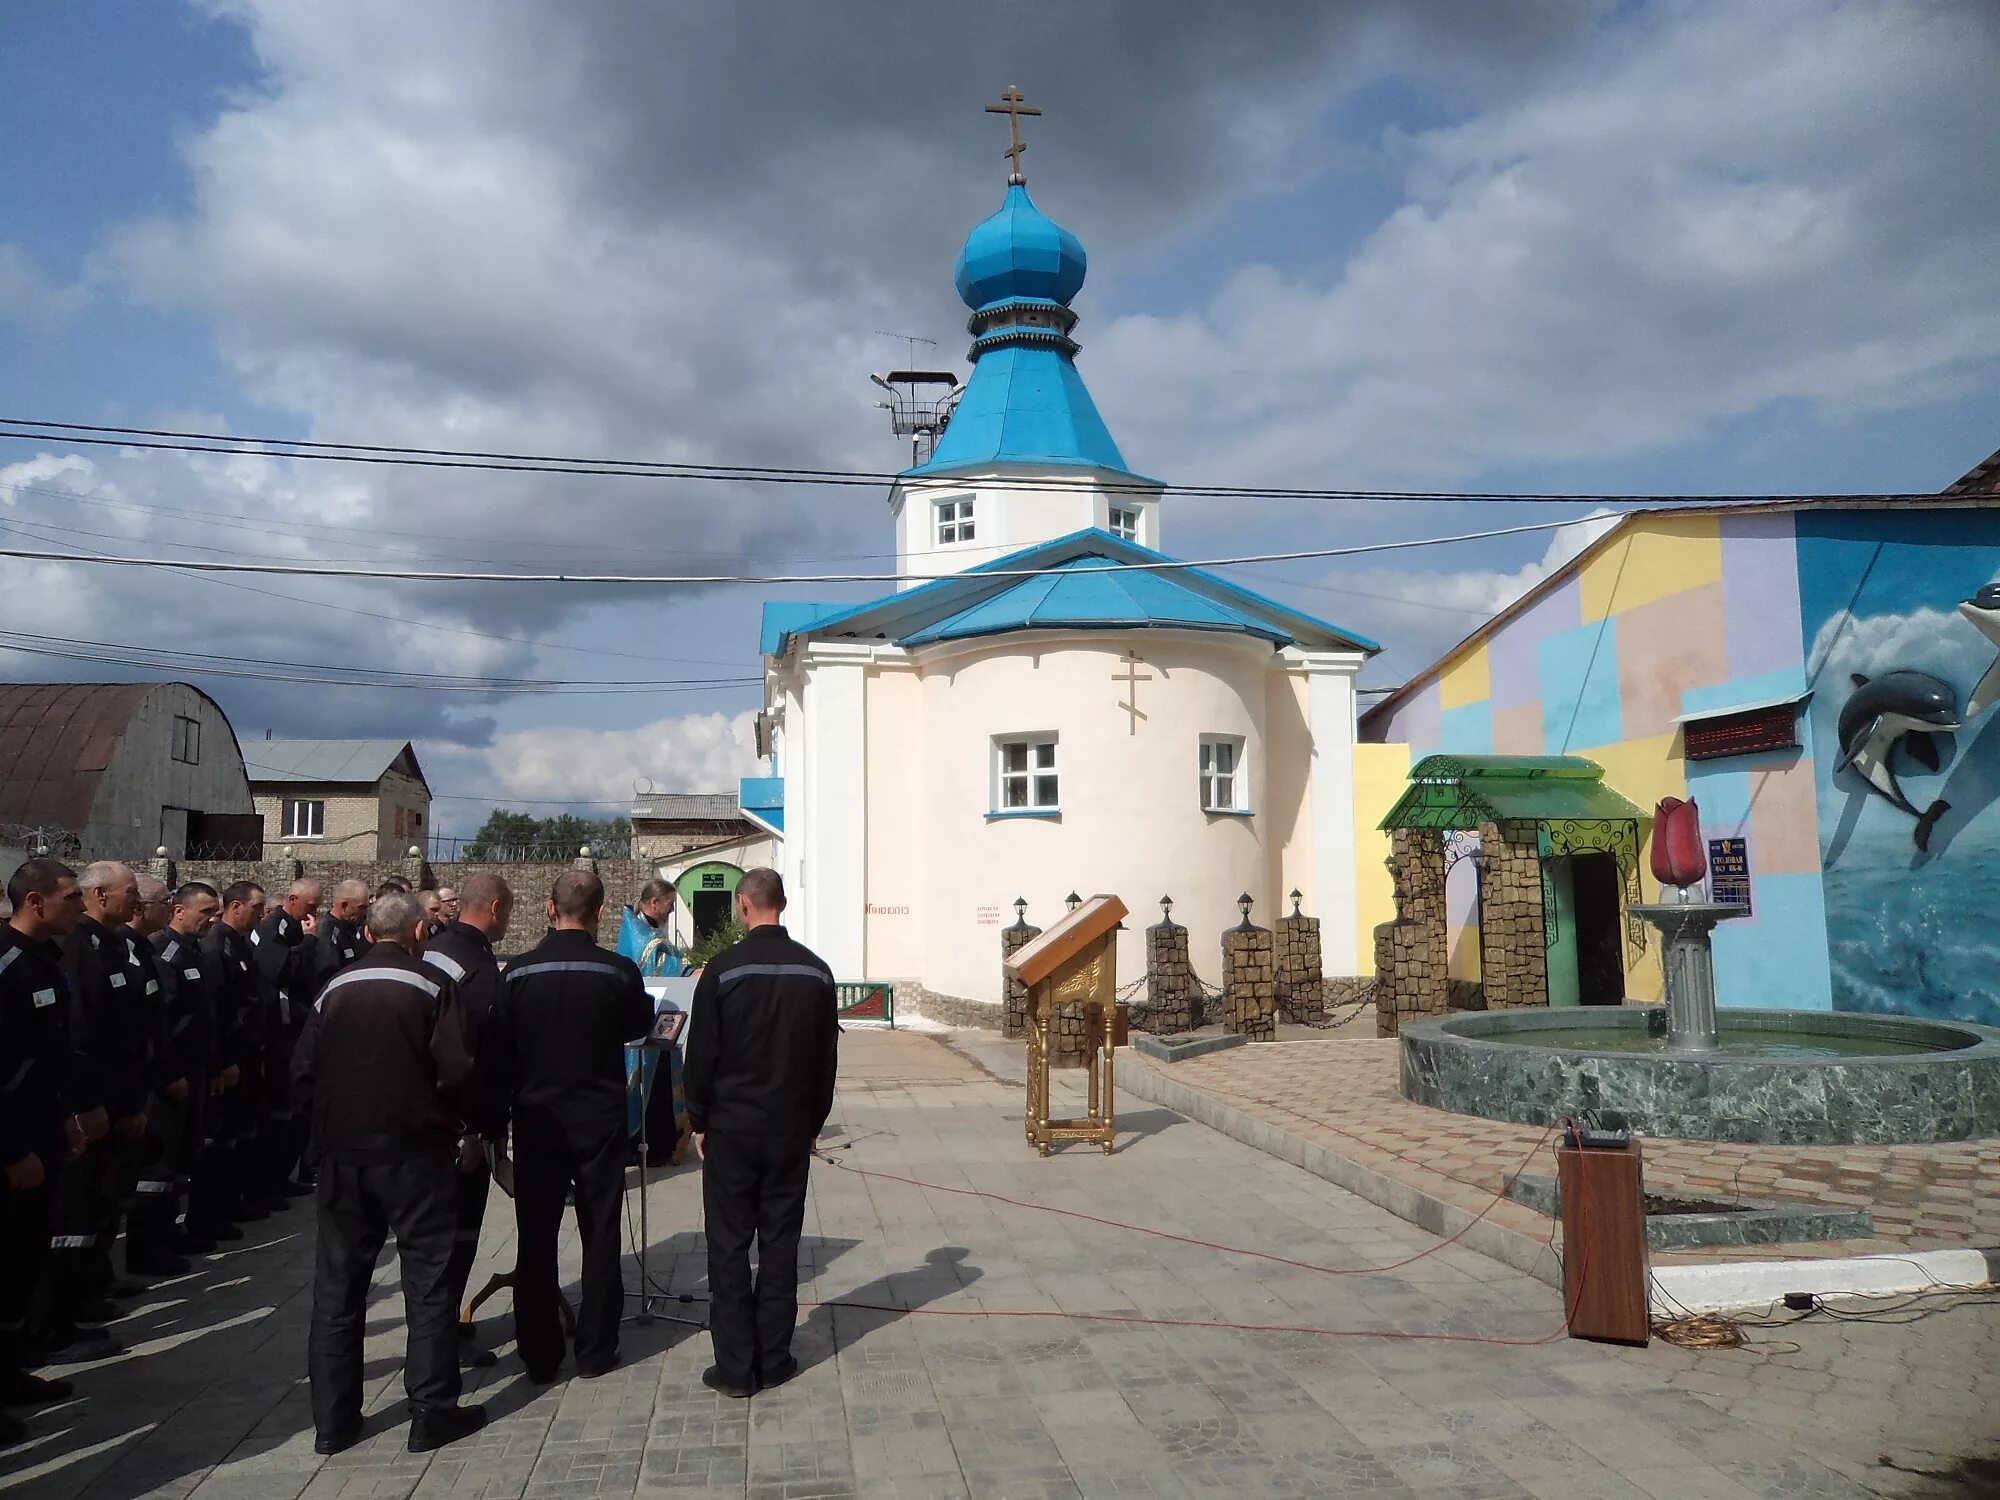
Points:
(1687, 962)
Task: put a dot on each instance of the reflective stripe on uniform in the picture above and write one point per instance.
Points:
(772, 971)
(368, 976)
(7, 958)
(570, 967)
(445, 963)
(72, 1241)
(173, 947)
(151, 1185)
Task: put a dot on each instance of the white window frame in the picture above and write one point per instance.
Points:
(1129, 529)
(952, 521)
(1220, 790)
(299, 815)
(1039, 773)
(186, 749)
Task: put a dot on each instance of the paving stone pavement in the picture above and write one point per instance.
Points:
(947, 1402)
(1342, 1093)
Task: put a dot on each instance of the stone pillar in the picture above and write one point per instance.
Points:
(1173, 1003)
(1014, 1011)
(1514, 955)
(1301, 986)
(1411, 969)
(160, 866)
(1250, 983)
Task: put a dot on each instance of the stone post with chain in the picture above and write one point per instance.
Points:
(1301, 985)
(1250, 979)
(1411, 975)
(1173, 1003)
(1014, 1009)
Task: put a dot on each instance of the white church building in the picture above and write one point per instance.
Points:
(1079, 712)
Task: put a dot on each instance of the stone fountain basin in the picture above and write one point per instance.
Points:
(1932, 1080)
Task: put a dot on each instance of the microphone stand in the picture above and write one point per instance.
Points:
(646, 1295)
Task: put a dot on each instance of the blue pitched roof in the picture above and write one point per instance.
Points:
(1077, 592)
(786, 617)
(762, 800)
(1086, 592)
(1025, 403)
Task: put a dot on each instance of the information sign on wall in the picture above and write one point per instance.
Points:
(1729, 872)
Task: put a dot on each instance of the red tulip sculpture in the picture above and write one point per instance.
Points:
(1680, 858)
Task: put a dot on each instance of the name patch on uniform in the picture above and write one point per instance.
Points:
(44, 997)
(190, 973)
(118, 981)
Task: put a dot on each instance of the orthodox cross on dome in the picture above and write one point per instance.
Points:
(1132, 677)
(1012, 107)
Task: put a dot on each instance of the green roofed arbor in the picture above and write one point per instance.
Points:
(1455, 792)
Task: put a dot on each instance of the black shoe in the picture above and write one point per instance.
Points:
(71, 1345)
(338, 1442)
(223, 1232)
(472, 1357)
(12, 1430)
(193, 1242)
(124, 1291)
(159, 1265)
(438, 1425)
(272, 1202)
(296, 1189)
(779, 1374)
(544, 1377)
(249, 1213)
(594, 1372)
(97, 1310)
(19, 1388)
(712, 1378)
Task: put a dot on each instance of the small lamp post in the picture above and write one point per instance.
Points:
(1243, 904)
(1072, 901)
(1020, 911)
(1296, 899)
(1166, 911)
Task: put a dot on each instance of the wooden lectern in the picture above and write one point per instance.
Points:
(1074, 963)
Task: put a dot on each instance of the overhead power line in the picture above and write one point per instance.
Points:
(231, 445)
(693, 579)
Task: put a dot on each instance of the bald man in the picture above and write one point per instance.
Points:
(287, 963)
(113, 1038)
(340, 937)
(150, 1224)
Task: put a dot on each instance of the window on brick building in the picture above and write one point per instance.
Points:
(305, 818)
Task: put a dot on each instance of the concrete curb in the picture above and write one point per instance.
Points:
(1425, 1210)
(1733, 1286)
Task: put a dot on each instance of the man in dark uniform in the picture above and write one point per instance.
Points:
(113, 1032)
(763, 1044)
(37, 1130)
(189, 986)
(384, 1075)
(554, 1056)
(287, 962)
(339, 937)
(239, 1021)
(463, 951)
(149, 1223)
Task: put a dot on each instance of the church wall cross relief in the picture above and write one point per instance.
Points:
(1132, 677)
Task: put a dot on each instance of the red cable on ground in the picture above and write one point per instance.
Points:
(1283, 1260)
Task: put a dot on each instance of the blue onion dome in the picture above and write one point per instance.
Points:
(1019, 252)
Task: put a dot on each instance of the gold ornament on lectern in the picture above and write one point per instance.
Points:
(1073, 964)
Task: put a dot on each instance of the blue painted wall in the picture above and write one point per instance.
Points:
(1908, 931)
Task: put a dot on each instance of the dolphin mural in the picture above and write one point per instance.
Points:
(1983, 610)
(1897, 708)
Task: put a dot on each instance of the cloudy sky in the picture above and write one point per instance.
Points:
(1547, 245)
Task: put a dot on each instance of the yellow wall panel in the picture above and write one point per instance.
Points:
(1651, 559)
(1467, 680)
(1381, 775)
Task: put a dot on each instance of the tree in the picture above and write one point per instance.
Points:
(507, 835)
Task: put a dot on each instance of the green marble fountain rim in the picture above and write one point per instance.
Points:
(1971, 1043)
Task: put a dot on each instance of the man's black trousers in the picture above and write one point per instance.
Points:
(472, 1188)
(25, 1220)
(358, 1205)
(544, 1169)
(753, 1187)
